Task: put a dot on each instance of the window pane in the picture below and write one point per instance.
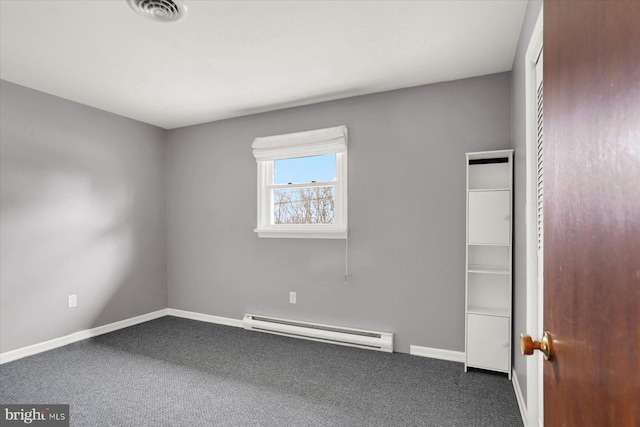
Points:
(307, 205)
(305, 169)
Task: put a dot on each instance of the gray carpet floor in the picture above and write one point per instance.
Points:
(178, 372)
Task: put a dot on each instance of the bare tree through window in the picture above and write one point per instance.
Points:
(304, 205)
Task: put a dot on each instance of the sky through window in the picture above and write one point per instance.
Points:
(302, 170)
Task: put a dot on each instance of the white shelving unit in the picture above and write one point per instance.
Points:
(489, 261)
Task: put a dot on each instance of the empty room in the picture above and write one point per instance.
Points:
(319, 213)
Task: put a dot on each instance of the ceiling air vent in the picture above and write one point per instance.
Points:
(159, 10)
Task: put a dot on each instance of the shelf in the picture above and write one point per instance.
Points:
(489, 175)
(476, 190)
(489, 260)
(500, 312)
(489, 244)
(486, 269)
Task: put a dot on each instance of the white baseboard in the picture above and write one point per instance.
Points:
(204, 317)
(521, 403)
(12, 355)
(437, 353)
(9, 356)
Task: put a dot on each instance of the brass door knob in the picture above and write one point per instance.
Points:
(545, 345)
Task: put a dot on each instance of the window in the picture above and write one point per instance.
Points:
(302, 184)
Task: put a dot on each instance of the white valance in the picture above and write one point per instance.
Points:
(301, 144)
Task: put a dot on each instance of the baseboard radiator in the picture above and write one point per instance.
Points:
(381, 341)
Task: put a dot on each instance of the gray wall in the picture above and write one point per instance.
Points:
(82, 201)
(406, 214)
(83, 212)
(518, 137)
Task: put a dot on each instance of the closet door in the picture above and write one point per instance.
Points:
(489, 217)
(488, 342)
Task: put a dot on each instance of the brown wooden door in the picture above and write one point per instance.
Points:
(592, 212)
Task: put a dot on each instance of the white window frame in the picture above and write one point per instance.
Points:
(293, 145)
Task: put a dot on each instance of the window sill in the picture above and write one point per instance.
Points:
(333, 233)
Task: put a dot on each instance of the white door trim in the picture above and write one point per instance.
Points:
(535, 408)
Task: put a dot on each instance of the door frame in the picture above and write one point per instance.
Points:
(534, 292)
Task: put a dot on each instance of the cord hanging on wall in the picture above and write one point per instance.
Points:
(346, 259)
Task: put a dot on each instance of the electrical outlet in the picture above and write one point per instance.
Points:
(73, 301)
(292, 297)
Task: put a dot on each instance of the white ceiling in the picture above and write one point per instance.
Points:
(233, 58)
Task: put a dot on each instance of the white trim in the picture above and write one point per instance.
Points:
(303, 233)
(437, 353)
(12, 355)
(534, 316)
(489, 154)
(521, 403)
(205, 317)
(265, 172)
